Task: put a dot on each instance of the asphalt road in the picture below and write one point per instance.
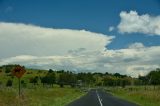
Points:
(98, 97)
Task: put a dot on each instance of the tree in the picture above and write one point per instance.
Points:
(72, 79)
(109, 80)
(49, 79)
(62, 79)
(98, 79)
(117, 75)
(7, 70)
(34, 80)
(50, 71)
(44, 80)
(67, 78)
(86, 78)
(154, 77)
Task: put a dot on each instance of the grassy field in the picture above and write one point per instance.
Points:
(39, 96)
(138, 95)
(35, 95)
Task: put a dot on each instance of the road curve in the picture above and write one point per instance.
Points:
(100, 98)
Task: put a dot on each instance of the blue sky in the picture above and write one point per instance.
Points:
(95, 17)
(92, 15)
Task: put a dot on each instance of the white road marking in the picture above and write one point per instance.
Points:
(100, 100)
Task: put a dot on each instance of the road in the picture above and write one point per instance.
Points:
(97, 97)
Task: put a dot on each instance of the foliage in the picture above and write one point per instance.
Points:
(39, 97)
(67, 78)
(152, 78)
(9, 83)
(34, 80)
(49, 79)
(138, 95)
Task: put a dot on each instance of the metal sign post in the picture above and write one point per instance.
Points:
(19, 86)
(18, 71)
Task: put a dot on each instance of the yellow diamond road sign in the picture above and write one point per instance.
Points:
(18, 71)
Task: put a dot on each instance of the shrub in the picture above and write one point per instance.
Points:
(0, 83)
(34, 80)
(7, 71)
(9, 83)
(23, 83)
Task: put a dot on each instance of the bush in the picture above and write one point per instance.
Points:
(48, 80)
(29, 72)
(0, 83)
(9, 83)
(61, 85)
(22, 81)
(7, 71)
(23, 84)
(34, 80)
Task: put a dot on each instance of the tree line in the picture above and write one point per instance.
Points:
(87, 79)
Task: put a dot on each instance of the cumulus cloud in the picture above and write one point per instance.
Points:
(133, 61)
(35, 46)
(22, 39)
(75, 50)
(136, 45)
(132, 22)
(130, 61)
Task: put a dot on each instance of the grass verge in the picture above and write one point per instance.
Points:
(39, 96)
(138, 95)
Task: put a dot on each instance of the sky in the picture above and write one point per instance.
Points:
(81, 35)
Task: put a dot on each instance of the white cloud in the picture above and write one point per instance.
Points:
(21, 39)
(130, 61)
(35, 46)
(132, 22)
(111, 28)
(136, 45)
(75, 50)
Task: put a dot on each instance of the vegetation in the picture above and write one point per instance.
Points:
(59, 87)
(138, 95)
(34, 90)
(62, 78)
(9, 83)
(39, 96)
(145, 93)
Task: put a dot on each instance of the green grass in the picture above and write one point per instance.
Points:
(35, 95)
(138, 95)
(39, 96)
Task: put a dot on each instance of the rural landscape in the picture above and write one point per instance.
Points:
(58, 88)
(79, 53)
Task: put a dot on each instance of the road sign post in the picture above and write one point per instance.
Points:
(19, 86)
(18, 71)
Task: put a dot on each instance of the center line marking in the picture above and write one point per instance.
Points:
(100, 100)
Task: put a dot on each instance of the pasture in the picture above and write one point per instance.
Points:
(141, 95)
(35, 94)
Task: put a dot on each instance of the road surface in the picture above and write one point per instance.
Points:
(100, 98)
